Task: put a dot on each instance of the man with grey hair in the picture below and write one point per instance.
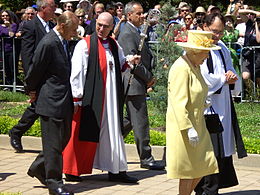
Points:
(48, 81)
(135, 89)
(30, 13)
(33, 31)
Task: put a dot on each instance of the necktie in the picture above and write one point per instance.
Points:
(66, 48)
(47, 28)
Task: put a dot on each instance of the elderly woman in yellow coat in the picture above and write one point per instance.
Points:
(189, 153)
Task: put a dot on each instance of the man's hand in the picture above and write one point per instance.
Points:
(33, 96)
(136, 59)
(151, 83)
(193, 137)
(231, 77)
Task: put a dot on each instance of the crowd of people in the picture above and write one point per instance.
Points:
(82, 62)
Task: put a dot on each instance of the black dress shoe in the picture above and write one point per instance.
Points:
(60, 191)
(38, 176)
(152, 165)
(122, 177)
(15, 142)
(73, 178)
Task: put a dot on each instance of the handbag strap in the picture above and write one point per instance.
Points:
(212, 110)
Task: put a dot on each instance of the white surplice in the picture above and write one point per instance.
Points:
(110, 154)
(221, 102)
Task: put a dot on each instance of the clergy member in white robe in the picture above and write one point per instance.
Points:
(97, 63)
(220, 76)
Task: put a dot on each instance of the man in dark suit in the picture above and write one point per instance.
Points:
(142, 78)
(33, 32)
(48, 81)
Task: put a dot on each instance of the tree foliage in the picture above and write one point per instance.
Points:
(16, 5)
(167, 53)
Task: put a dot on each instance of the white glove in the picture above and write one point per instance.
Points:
(193, 137)
(208, 102)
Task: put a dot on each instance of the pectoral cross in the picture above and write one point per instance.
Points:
(110, 65)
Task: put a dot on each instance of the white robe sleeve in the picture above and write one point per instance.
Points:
(227, 56)
(214, 81)
(121, 56)
(238, 85)
(79, 67)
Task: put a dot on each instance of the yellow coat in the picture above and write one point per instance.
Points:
(187, 93)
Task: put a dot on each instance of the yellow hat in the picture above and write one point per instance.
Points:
(201, 40)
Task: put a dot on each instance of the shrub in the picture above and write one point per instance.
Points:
(8, 96)
(7, 122)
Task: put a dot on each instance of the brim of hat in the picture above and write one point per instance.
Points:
(232, 16)
(188, 45)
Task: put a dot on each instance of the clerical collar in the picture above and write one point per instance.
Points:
(103, 41)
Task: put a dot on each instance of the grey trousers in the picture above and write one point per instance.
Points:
(137, 119)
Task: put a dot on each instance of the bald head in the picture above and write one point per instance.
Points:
(105, 16)
(104, 24)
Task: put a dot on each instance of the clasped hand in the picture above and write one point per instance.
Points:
(193, 137)
(231, 77)
(133, 60)
(33, 96)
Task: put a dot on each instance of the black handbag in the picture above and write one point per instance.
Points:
(213, 122)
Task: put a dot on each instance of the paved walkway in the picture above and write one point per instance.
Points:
(13, 178)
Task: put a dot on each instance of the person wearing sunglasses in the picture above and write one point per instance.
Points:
(80, 13)
(68, 6)
(200, 14)
(184, 9)
(188, 19)
(7, 32)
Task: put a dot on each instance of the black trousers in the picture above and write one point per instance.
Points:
(55, 136)
(225, 178)
(25, 123)
(137, 119)
(9, 67)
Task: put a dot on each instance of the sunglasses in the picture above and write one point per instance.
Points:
(81, 16)
(200, 14)
(185, 10)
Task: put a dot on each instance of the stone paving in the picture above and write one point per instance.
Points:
(13, 178)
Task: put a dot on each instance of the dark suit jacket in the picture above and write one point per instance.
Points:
(33, 32)
(49, 75)
(129, 40)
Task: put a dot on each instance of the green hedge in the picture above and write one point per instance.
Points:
(7, 122)
(157, 138)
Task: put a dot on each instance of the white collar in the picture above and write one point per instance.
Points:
(58, 34)
(133, 26)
